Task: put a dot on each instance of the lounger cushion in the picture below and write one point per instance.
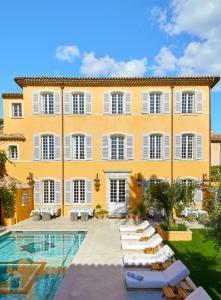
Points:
(199, 293)
(176, 273)
(134, 228)
(151, 279)
(136, 236)
(151, 243)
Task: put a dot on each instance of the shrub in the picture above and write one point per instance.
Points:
(176, 227)
(191, 218)
(98, 206)
(7, 197)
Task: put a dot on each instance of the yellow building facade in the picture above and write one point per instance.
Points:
(119, 131)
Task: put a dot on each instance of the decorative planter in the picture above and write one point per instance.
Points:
(9, 221)
(175, 235)
(136, 218)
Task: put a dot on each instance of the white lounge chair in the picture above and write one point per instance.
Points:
(161, 256)
(137, 236)
(199, 294)
(173, 275)
(153, 242)
(134, 228)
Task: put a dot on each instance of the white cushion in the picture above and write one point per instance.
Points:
(134, 228)
(199, 294)
(176, 273)
(151, 243)
(136, 236)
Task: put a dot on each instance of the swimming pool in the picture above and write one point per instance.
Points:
(32, 264)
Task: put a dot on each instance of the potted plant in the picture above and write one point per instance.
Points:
(136, 214)
(100, 213)
(7, 196)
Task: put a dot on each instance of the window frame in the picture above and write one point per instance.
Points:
(48, 147)
(51, 191)
(42, 101)
(187, 102)
(13, 145)
(12, 103)
(73, 146)
(117, 190)
(156, 106)
(79, 110)
(155, 149)
(117, 137)
(186, 146)
(119, 106)
(79, 181)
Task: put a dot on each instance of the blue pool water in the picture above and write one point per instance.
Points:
(32, 264)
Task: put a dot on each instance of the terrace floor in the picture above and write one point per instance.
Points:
(96, 271)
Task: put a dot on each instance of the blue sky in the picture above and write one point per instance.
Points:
(111, 38)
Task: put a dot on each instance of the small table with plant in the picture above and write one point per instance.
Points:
(174, 292)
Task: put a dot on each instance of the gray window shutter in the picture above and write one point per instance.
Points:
(67, 147)
(145, 151)
(88, 102)
(107, 105)
(57, 103)
(167, 146)
(88, 148)
(67, 103)
(166, 102)
(199, 102)
(127, 103)
(57, 147)
(88, 197)
(37, 146)
(57, 192)
(37, 192)
(105, 147)
(198, 196)
(36, 105)
(68, 193)
(145, 103)
(178, 138)
(199, 146)
(130, 147)
(178, 102)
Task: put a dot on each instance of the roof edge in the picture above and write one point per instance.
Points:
(210, 81)
(12, 96)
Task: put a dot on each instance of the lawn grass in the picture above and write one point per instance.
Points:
(203, 261)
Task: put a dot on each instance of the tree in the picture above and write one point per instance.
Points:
(169, 196)
(1, 122)
(216, 173)
(213, 221)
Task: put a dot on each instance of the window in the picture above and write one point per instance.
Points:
(187, 182)
(48, 103)
(78, 147)
(117, 147)
(117, 190)
(155, 181)
(13, 152)
(187, 103)
(155, 146)
(187, 146)
(155, 103)
(17, 110)
(25, 198)
(78, 103)
(48, 192)
(79, 191)
(47, 147)
(117, 103)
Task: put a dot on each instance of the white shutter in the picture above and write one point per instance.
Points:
(37, 146)
(178, 102)
(67, 147)
(88, 103)
(199, 102)
(57, 147)
(88, 144)
(107, 103)
(36, 103)
(178, 138)
(68, 200)
(37, 192)
(58, 192)
(167, 146)
(57, 103)
(88, 191)
(105, 147)
(166, 102)
(67, 103)
(198, 196)
(129, 147)
(145, 147)
(145, 103)
(127, 103)
(199, 146)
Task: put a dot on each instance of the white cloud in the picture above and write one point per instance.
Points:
(107, 66)
(202, 21)
(67, 53)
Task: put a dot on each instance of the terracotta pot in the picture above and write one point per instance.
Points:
(9, 221)
(136, 218)
(130, 216)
